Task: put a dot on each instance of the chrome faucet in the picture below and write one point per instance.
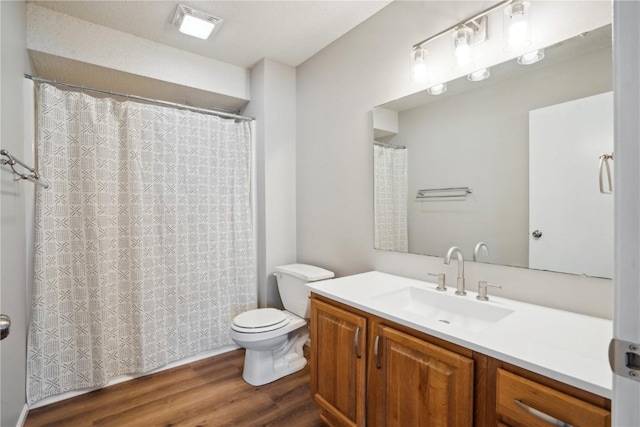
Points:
(447, 259)
(476, 251)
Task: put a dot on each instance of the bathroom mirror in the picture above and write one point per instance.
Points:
(511, 161)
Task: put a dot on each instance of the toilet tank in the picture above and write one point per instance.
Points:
(291, 285)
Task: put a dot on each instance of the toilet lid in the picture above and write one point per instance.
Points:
(260, 320)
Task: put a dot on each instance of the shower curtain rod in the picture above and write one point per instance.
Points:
(144, 99)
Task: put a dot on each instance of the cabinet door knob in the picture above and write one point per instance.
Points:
(356, 342)
(537, 234)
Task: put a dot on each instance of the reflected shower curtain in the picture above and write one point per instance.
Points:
(144, 248)
(390, 198)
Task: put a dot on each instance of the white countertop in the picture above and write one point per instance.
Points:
(569, 347)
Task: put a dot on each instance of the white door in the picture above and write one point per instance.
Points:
(626, 392)
(572, 219)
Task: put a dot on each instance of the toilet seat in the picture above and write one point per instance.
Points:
(260, 320)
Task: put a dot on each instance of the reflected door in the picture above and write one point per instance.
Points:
(570, 221)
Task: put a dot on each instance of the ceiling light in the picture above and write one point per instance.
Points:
(517, 24)
(462, 42)
(478, 76)
(195, 23)
(531, 57)
(437, 89)
(419, 61)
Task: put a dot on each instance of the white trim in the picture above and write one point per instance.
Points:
(23, 416)
(253, 126)
(29, 113)
(626, 321)
(124, 378)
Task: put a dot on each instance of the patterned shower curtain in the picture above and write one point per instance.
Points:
(144, 247)
(390, 198)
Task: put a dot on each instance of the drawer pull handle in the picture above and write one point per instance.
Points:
(356, 342)
(539, 414)
(376, 355)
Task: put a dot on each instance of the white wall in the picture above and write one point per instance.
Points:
(13, 298)
(369, 66)
(385, 122)
(56, 35)
(480, 139)
(273, 104)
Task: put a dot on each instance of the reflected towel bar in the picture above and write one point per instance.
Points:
(450, 194)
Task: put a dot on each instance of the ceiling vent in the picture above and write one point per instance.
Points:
(195, 23)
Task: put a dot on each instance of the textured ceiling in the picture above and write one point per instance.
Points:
(286, 31)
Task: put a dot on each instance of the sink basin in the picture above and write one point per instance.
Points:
(424, 305)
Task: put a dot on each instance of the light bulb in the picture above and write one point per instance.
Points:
(462, 41)
(463, 54)
(419, 69)
(420, 72)
(518, 32)
(517, 27)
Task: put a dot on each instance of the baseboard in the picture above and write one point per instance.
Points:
(68, 395)
(23, 416)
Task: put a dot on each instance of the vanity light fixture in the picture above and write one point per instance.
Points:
(517, 24)
(531, 57)
(195, 23)
(472, 31)
(419, 65)
(437, 89)
(478, 76)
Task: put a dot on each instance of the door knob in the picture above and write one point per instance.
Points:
(537, 234)
(5, 324)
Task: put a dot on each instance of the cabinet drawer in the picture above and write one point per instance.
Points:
(515, 394)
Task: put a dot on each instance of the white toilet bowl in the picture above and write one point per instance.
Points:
(273, 338)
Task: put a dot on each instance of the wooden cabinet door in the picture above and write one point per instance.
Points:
(415, 383)
(338, 352)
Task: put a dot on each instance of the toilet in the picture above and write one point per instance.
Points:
(274, 338)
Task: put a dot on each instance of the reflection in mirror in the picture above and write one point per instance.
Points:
(511, 161)
(390, 210)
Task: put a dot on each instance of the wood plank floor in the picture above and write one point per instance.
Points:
(209, 392)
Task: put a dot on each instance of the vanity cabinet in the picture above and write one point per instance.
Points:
(369, 371)
(409, 382)
(338, 363)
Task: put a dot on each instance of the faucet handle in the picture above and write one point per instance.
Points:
(482, 290)
(441, 285)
